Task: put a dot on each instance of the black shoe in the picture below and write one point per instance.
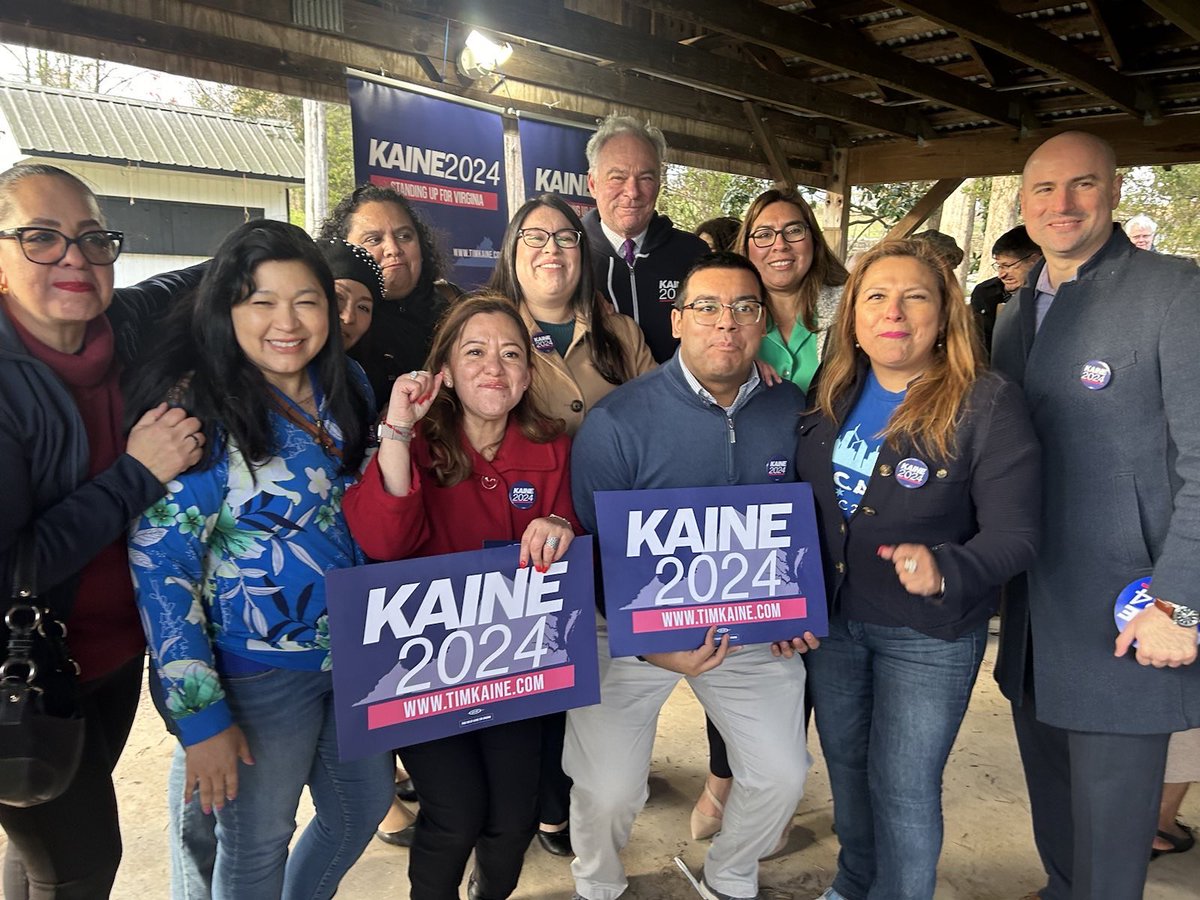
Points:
(401, 838)
(473, 888)
(556, 842)
(405, 791)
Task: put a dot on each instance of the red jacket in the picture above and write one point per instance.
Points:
(432, 520)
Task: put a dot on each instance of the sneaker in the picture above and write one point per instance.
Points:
(711, 893)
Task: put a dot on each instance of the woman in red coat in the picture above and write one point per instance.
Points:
(465, 457)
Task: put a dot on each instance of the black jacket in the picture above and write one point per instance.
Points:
(978, 512)
(986, 300)
(646, 290)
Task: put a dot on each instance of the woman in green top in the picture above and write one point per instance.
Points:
(780, 235)
(803, 278)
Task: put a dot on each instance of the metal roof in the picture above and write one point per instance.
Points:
(56, 122)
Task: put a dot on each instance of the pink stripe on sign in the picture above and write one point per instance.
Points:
(468, 196)
(703, 615)
(448, 700)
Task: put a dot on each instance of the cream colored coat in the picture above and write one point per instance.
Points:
(567, 386)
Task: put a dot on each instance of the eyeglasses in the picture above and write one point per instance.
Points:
(538, 237)
(708, 312)
(48, 246)
(1008, 267)
(793, 233)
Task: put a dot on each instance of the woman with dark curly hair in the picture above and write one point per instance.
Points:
(383, 221)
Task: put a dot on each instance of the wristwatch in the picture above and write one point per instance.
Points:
(389, 432)
(1183, 616)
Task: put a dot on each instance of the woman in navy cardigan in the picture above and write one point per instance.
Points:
(925, 471)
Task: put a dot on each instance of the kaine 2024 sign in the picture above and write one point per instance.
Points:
(681, 560)
(430, 647)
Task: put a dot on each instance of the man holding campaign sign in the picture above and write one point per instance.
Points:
(702, 419)
(925, 472)
(466, 458)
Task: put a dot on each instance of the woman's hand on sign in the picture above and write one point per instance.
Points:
(915, 567)
(707, 656)
(545, 541)
(788, 649)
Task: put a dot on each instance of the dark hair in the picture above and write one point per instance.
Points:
(942, 244)
(217, 382)
(723, 230)
(825, 269)
(337, 225)
(442, 425)
(719, 259)
(1015, 242)
(13, 175)
(607, 351)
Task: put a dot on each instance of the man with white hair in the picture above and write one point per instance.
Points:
(639, 257)
(1141, 230)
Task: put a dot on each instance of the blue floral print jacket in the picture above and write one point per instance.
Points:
(236, 564)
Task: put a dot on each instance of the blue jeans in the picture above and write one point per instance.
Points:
(889, 702)
(287, 717)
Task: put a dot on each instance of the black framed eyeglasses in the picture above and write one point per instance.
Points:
(793, 233)
(708, 312)
(567, 238)
(1008, 267)
(48, 246)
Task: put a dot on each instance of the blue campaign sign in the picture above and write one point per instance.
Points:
(554, 161)
(679, 560)
(446, 158)
(430, 647)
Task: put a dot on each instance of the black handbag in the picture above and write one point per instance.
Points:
(41, 725)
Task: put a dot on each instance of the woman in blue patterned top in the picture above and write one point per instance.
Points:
(230, 566)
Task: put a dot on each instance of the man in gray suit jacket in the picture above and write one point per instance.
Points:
(1105, 340)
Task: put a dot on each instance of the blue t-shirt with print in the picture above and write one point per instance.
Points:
(859, 441)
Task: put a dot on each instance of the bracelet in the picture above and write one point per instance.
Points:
(392, 432)
(562, 519)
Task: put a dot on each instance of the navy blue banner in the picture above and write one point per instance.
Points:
(446, 158)
(681, 560)
(554, 160)
(430, 647)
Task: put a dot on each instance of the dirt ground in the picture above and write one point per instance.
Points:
(988, 850)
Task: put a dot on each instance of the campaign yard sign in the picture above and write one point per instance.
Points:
(677, 561)
(430, 647)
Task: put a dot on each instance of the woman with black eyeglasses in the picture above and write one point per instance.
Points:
(75, 480)
(582, 350)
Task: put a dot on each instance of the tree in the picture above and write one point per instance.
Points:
(61, 70)
(1168, 195)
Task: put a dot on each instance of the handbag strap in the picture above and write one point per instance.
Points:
(24, 586)
(23, 615)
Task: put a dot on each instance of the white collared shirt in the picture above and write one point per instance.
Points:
(743, 392)
(618, 240)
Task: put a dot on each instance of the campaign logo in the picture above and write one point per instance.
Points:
(476, 711)
(911, 473)
(522, 495)
(1095, 375)
(776, 468)
(543, 342)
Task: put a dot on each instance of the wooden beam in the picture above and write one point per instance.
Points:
(1033, 45)
(835, 217)
(793, 34)
(553, 26)
(1172, 142)
(924, 208)
(1107, 15)
(1184, 14)
(766, 142)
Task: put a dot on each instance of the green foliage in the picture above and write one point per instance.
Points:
(691, 196)
(1168, 195)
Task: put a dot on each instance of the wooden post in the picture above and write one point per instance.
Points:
(316, 168)
(836, 215)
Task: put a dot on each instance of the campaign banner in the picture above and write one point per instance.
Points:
(678, 561)
(430, 647)
(447, 159)
(554, 161)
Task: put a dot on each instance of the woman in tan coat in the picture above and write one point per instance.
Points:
(582, 348)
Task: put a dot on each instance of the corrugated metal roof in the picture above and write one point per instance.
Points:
(53, 121)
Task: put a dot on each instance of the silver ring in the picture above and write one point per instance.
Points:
(553, 541)
(415, 374)
(910, 565)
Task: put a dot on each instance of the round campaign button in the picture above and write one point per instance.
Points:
(777, 467)
(522, 495)
(912, 473)
(1095, 374)
(543, 342)
(1135, 597)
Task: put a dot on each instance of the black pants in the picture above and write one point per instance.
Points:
(554, 790)
(1094, 801)
(69, 848)
(478, 792)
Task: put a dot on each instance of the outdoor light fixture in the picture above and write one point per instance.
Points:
(482, 56)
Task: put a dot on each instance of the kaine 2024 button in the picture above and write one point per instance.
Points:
(1095, 374)
(522, 495)
(912, 473)
(543, 342)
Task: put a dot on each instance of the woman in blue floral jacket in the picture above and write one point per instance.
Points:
(230, 566)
